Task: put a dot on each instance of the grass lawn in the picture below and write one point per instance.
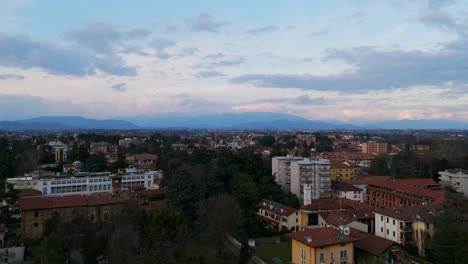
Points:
(267, 252)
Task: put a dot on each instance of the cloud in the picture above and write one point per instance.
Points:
(306, 100)
(120, 87)
(170, 29)
(262, 30)
(205, 22)
(20, 51)
(11, 77)
(209, 74)
(161, 44)
(377, 70)
(103, 37)
(224, 63)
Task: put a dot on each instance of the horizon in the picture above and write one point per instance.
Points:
(347, 61)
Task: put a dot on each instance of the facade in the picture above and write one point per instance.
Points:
(322, 245)
(347, 190)
(127, 142)
(344, 171)
(281, 169)
(357, 158)
(456, 178)
(144, 160)
(84, 183)
(407, 225)
(97, 207)
(60, 150)
(278, 216)
(311, 179)
(395, 193)
(373, 147)
(110, 151)
(362, 220)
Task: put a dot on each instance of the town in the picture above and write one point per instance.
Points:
(231, 196)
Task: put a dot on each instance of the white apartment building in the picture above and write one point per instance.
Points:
(456, 178)
(84, 183)
(406, 225)
(281, 169)
(312, 176)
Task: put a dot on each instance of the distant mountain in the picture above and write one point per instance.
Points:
(248, 120)
(418, 124)
(65, 122)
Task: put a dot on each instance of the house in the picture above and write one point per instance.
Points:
(278, 216)
(456, 178)
(110, 151)
(368, 246)
(346, 190)
(362, 220)
(143, 160)
(322, 245)
(407, 225)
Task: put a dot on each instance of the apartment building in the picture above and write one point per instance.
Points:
(344, 171)
(310, 179)
(407, 225)
(347, 190)
(278, 216)
(281, 170)
(60, 150)
(374, 147)
(456, 178)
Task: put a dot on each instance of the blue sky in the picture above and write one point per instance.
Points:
(349, 60)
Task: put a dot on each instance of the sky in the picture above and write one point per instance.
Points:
(350, 60)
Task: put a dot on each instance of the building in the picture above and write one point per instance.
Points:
(456, 178)
(110, 151)
(362, 220)
(373, 147)
(322, 245)
(310, 179)
(84, 182)
(396, 193)
(144, 160)
(281, 170)
(344, 171)
(12, 255)
(407, 225)
(357, 158)
(347, 190)
(127, 142)
(368, 247)
(60, 150)
(278, 216)
(97, 208)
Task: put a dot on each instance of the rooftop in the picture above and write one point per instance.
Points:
(344, 186)
(422, 213)
(313, 162)
(457, 171)
(331, 204)
(319, 237)
(338, 218)
(276, 208)
(370, 243)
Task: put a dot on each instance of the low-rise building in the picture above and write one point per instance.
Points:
(110, 151)
(127, 142)
(347, 190)
(370, 247)
(456, 178)
(278, 216)
(143, 160)
(407, 225)
(322, 245)
(362, 220)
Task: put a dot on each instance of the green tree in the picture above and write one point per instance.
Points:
(306, 153)
(379, 166)
(404, 165)
(95, 163)
(78, 152)
(182, 191)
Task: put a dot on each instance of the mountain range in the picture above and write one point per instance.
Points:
(251, 120)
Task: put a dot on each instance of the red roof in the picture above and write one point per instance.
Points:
(415, 186)
(370, 243)
(28, 193)
(345, 217)
(368, 179)
(276, 208)
(319, 237)
(70, 201)
(330, 204)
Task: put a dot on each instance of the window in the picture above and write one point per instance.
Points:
(381, 229)
(92, 217)
(387, 220)
(106, 216)
(343, 254)
(393, 233)
(332, 256)
(322, 257)
(303, 256)
(36, 224)
(387, 232)
(381, 218)
(36, 213)
(393, 221)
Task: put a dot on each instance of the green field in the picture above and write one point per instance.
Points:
(267, 252)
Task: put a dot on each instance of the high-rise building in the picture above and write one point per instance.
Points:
(374, 147)
(281, 170)
(312, 176)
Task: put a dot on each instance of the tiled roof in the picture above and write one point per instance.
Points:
(415, 186)
(338, 218)
(341, 164)
(344, 186)
(29, 192)
(455, 171)
(370, 243)
(71, 201)
(330, 204)
(143, 156)
(276, 208)
(319, 237)
(422, 213)
(368, 179)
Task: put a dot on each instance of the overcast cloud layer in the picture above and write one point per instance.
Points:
(343, 60)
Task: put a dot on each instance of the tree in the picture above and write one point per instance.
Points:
(404, 165)
(78, 152)
(95, 163)
(306, 153)
(8, 198)
(244, 190)
(379, 166)
(182, 191)
(266, 141)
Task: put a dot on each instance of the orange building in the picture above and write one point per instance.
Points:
(344, 171)
(322, 245)
(374, 147)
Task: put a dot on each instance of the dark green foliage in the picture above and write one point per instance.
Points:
(266, 141)
(305, 153)
(78, 152)
(95, 163)
(245, 253)
(46, 155)
(182, 191)
(379, 166)
(323, 143)
(450, 242)
(404, 165)
(120, 163)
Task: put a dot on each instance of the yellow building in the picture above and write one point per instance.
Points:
(322, 245)
(344, 171)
